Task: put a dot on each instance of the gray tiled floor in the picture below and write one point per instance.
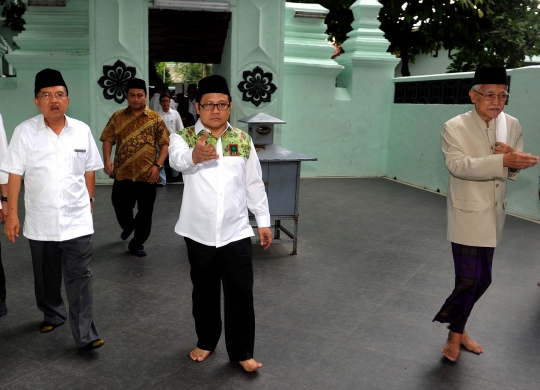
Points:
(352, 310)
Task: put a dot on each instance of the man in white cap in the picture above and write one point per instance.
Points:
(58, 157)
(482, 149)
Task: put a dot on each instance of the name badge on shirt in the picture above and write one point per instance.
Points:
(233, 150)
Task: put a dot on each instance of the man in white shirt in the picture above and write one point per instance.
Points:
(58, 157)
(174, 123)
(154, 100)
(222, 179)
(3, 214)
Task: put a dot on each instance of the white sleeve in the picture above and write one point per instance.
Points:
(180, 155)
(15, 158)
(3, 148)
(257, 200)
(93, 158)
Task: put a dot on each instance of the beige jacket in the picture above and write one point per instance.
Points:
(476, 202)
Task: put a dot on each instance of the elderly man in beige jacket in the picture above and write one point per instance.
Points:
(482, 149)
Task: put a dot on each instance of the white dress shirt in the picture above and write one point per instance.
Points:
(3, 147)
(172, 120)
(154, 102)
(56, 198)
(218, 193)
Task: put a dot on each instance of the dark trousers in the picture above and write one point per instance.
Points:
(2, 284)
(473, 276)
(230, 264)
(127, 193)
(73, 258)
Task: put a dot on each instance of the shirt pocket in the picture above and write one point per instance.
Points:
(78, 160)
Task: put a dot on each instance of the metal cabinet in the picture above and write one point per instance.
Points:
(281, 176)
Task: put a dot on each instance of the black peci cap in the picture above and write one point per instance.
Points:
(48, 78)
(492, 75)
(213, 84)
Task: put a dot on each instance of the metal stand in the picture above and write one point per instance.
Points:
(278, 228)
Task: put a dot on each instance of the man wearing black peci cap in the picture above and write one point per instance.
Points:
(58, 157)
(222, 179)
(482, 149)
(136, 130)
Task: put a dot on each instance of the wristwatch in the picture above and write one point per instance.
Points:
(157, 165)
(92, 200)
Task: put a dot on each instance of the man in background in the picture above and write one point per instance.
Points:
(136, 131)
(174, 123)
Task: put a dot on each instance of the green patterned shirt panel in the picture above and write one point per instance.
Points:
(234, 142)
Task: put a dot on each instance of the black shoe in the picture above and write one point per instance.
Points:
(3, 310)
(47, 327)
(138, 252)
(125, 234)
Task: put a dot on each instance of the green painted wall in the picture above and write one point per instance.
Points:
(346, 128)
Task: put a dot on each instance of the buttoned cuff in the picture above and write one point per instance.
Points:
(262, 221)
(497, 166)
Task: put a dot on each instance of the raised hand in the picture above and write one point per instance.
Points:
(519, 160)
(203, 152)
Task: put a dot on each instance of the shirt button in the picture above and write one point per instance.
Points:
(495, 204)
(496, 185)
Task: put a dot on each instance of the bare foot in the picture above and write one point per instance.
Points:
(250, 365)
(452, 347)
(471, 345)
(198, 354)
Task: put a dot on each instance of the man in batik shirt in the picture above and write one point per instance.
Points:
(136, 130)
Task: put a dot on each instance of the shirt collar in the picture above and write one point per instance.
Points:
(479, 120)
(199, 127)
(145, 112)
(42, 126)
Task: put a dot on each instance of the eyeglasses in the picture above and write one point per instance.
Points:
(490, 96)
(210, 106)
(49, 96)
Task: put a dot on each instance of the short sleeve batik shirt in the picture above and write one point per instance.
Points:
(135, 138)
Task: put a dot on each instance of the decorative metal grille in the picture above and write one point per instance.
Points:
(452, 91)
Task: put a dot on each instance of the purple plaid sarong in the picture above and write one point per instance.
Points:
(473, 276)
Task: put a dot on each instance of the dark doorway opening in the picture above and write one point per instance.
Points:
(187, 36)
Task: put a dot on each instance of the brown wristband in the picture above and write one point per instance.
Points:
(4, 198)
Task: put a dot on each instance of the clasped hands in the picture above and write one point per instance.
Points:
(515, 159)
